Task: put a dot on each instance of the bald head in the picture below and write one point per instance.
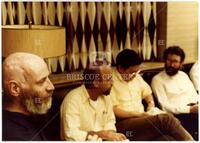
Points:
(25, 76)
(99, 78)
(18, 66)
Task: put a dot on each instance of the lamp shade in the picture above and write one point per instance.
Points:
(45, 41)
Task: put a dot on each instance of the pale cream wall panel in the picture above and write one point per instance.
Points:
(182, 27)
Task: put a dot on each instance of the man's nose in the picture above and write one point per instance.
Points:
(172, 64)
(50, 86)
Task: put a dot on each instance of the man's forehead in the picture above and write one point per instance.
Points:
(175, 56)
(38, 72)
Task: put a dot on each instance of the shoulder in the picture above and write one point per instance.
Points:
(74, 95)
(159, 76)
(75, 92)
(16, 127)
(182, 74)
(194, 66)
(139, 79)
(8, 123)
(116, 75)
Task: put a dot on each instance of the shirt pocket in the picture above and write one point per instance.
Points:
(102, 117)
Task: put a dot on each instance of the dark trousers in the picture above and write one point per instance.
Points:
(160, 127)
(190, 123)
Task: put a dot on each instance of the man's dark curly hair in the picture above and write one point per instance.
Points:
(174, 50)
(128, 58)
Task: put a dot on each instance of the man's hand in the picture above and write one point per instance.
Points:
(106, 135)
(150, 105)
(144, 114)
(194, 108)
(150, 102)
(93, 138)
(149, 108)
(112, 136)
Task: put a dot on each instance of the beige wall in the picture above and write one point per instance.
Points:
(182, 27)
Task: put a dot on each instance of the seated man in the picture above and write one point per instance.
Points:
(127, 93)
(86, 112)
(174, 90)
(27, 91)
(194, 75)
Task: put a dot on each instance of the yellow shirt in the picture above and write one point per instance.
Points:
(79, 115)
(128, 95)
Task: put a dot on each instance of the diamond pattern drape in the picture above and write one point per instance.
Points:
(91, 27)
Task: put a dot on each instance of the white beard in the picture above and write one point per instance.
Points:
(36, 108)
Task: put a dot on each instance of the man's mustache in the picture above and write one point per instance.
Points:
(39, 100)
(171, 68)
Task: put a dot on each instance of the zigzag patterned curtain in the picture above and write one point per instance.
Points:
(91, 27)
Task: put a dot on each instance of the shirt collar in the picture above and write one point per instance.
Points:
(170, 77)
(118, 75)
(86, 96)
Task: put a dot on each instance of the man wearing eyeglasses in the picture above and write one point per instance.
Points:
(127, 93)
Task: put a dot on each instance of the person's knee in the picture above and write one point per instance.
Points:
(168, 118)
(165, 138)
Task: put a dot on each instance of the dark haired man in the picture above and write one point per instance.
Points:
(127, 93)
(174, 90)
(86, 112)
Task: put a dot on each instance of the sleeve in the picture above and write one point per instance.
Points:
(146, 89)
(113, 97)
(70, 120)
(160, 93)
(194, 75)
(110, 123)
(194, 96)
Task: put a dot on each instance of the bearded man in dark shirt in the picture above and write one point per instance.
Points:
(27, 91)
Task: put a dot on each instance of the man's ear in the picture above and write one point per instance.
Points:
(181, 65)
(120, 69)
(14, 88)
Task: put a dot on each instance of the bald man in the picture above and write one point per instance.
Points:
(27, 91)
(86, 112)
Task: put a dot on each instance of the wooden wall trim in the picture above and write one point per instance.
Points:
(161, 8)
(61, 80)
